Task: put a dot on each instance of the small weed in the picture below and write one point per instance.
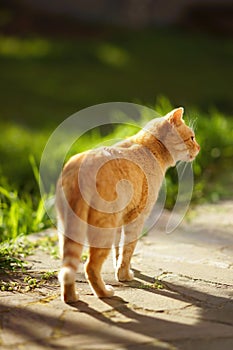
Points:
(31, 283)
(26, 283)
(48, 275)
(8, 286)
(13, 259)
(49, 244)
(13, 253)
(156, 285)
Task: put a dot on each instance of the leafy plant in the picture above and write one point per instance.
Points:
(13, 263)
(21, 213)
(13, 253)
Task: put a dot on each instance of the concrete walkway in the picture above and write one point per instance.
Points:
(181, 298)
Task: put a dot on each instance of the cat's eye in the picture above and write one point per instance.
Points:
(192, 138)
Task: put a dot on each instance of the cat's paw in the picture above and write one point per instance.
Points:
(108, 292)
(68, 294)
(125, 275)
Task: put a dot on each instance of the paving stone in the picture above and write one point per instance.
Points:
(204, 344)
(181, 297)
(21, 324)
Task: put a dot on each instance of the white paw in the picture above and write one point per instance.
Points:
(109, 290)
(107, 293)
(124, 275)
(70, 299)
(68, 294)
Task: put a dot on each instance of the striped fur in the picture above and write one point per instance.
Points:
(142, 160)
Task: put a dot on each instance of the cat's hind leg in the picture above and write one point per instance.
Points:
(70, 251)
(71, 259)
(93, 267)
(100, 246)
(101, 233)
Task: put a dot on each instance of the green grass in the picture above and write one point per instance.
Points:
(22, 213)
(44, 80)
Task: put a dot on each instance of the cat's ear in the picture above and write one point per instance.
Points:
(175, 117)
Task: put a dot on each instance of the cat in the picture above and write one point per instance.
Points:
(107, 193)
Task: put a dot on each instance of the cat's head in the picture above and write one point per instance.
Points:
(175, 135)
(178, 137)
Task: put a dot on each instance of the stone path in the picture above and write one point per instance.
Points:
(181, 298)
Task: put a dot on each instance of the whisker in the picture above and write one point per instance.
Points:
(193, 124)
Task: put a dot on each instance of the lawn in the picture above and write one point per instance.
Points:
(44, 80)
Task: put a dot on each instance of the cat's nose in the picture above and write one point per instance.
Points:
(198, 147)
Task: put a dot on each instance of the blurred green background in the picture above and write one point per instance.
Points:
(54, 64)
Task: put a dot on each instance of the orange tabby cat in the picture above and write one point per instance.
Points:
(109, 192)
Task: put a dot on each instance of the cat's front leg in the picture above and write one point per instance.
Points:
(131, 235)
(124, 273)
(117, 248)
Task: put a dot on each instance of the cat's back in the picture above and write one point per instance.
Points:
(101, 168)
(99, 156)
(107, 165)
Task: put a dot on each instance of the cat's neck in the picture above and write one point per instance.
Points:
(156, 147)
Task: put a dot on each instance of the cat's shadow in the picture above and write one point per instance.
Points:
(209, 306)
(84, 307)
(122, 323)
(183, 293)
